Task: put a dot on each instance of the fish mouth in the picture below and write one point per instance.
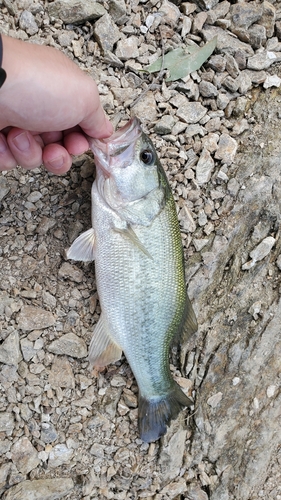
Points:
(118, 149)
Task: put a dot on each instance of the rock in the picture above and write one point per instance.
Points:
(226, 42)
(127, 48)
(217, 63)
(117, 10)
(272, 81)
(262, 60)
(171, 12)
(207, 89)
(111, 59)
(106, 33)
(191, 112)
(268, 18)
(27, 349)
(227, 148)
(171, 455)
(45, 225)
(199, 21)
(5, 470)
(40, 489)
(145, 108)
(74, 11)
(28, 23)
(194, 492)
(186, 26)
(72, 272)
(207, 4)
(263, 249)
(70, 345)
(24, 455)
(240, 127)
(61, 374)
(59, 455)
(4, 187)
(257, 36)
(214, 400)
(7, 423)
(48, 433)
(165, 125)
(186, 219)
(245, 14)
(204, 167)
(231, 66)
(10, 351)
(173, 490)
(199, 244)
(34, 318)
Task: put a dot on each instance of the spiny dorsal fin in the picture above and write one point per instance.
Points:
(83, 248)
(103, 350)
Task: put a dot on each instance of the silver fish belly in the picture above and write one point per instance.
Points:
(136, 243)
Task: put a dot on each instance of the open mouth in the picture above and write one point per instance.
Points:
(117, 150)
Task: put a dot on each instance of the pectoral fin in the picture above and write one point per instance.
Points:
(128, 232)
(103, 350)
(83, 248)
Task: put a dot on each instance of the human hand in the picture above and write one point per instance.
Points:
(47, 105)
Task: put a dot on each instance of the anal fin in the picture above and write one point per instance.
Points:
(190, 324)
(103, 350)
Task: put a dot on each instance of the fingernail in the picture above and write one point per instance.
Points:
(3, 145)
(22, 142)
(57, 162)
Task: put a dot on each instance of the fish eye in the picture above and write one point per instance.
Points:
(147, 156)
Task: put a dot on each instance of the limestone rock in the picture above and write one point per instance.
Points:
(4, 187)
(24, 455)
(9, 350)
(28, 23)
(7, 423)
(191, 112)
(204, 167)
(127, 48)
(70, 345)
(227, 148)
(74, 11)
(61, 374)
(106, 33)
(59, 455)
(145, 108)
(34, 318)
(40, 489)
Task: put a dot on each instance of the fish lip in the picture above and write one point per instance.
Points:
(106, 151)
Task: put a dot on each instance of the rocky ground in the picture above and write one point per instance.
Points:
(70, 433)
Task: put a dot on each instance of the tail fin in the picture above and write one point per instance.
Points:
(155, 414)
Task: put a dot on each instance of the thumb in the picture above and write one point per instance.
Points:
(95, 123)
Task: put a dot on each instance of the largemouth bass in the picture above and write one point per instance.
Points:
(136, 244)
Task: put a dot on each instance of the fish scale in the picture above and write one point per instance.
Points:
(136, 243)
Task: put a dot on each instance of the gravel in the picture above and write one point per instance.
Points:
(69, 432)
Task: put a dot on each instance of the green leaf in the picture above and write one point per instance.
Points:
(170, 58)
(184, 65)
(183, 61)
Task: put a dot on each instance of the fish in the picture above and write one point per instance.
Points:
(136, 244)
